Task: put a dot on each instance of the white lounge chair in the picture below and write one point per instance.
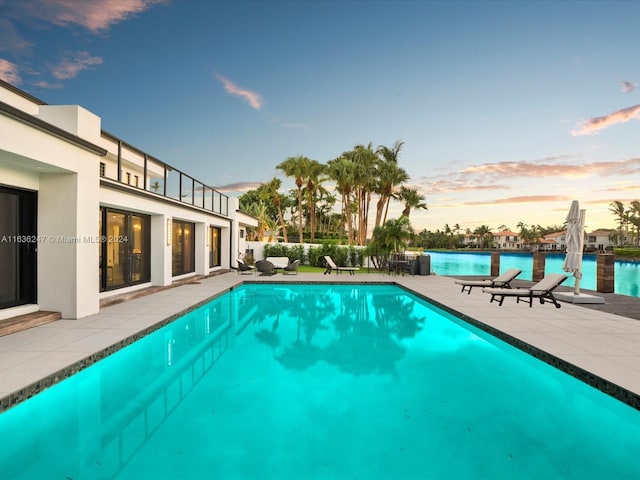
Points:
(501, 281)
(543, 290)
(331, 265)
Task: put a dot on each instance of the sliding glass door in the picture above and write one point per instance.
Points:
(184, 248)
(18, 247)
(214, 247)
(125, 249)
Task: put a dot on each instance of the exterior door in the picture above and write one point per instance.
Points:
(125, 254)
(18, 247)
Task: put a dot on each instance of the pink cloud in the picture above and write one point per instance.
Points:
(252, 98)
(70, 67)
(521, 199)
(495, 176)
(9, 72)
(596, 124)
(94, 15)
(238, 187)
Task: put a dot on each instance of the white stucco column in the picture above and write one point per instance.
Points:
(68, 210)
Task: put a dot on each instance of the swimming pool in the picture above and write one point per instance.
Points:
(627, 274)
(320, 381)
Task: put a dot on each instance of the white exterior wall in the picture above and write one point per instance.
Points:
(161, 212)
(18, 101)
(66, 177)
(74, 119)
(67, 186)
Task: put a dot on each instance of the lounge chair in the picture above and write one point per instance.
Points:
(543, 290)
(244, 268)
(292, 268)
(331, 265)
(265, 267)
(501, 281)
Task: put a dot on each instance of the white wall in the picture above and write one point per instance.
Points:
(67, 185)
(161, 212)
(66, 177)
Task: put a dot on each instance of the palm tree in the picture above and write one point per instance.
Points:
(298, 168)
(365, 180)
(269, 191)
(390, 175)
(315, 178)
(343, 171)
(411, 199)
(635, 218)
(617, 208)
(259, 210)
(483, 232)
(393, 236)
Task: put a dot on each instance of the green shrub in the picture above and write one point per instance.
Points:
(294, 253)
(341, 254)
(628, 252)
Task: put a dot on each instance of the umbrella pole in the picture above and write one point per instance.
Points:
(578, 274)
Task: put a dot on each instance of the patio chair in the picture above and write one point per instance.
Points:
(543, 290)
(292, 268)
(243, 268)
(501, 281)
(265, 267)
(331, 265)
(378, 263)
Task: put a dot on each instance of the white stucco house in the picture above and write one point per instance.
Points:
(507, 240)
(85, 215)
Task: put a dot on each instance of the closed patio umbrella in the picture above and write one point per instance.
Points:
(575, 243)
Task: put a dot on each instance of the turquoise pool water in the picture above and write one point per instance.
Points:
(627, 274)
(320, 382)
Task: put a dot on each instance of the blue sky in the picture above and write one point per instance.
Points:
(508, 110)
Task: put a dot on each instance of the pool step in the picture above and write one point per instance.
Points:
(28, 320)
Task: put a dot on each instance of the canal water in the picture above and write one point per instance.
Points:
(627, 274)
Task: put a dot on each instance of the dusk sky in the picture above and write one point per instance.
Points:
(508, 110)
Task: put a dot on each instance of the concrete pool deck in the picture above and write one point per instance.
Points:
(602, 340)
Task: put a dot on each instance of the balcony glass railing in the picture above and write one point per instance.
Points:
(159, 178)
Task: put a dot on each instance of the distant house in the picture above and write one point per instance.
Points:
(554, 242)
(507, 240)
(471, 241)
(596, 241)
(600, 240)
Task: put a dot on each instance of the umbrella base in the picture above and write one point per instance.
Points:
(579, 298)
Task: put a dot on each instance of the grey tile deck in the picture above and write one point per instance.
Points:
(591, 339)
